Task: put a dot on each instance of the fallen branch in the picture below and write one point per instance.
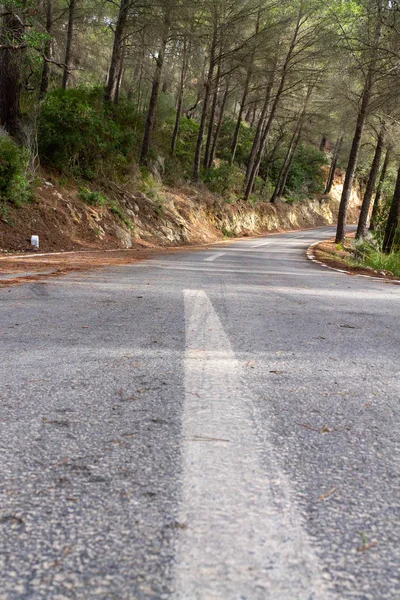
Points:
(13, 47)
(325, 496)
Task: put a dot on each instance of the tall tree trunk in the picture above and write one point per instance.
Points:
(353, 161)
(260, 128)
(278, 185)
(355, 148)
(133, 80)
(117, 57)
(48, 50)
(151, 114)
(219, 124)
(379, 191)
(140, 82)
(139, 92)
(68, 48)
(270, 159)
(207, 93)
(259, 150)
(393, 222)
(332, 170)
(10, 74)
(119, 84)
(211, 121)
(286, 172)
(287, 163)
(249, 75)
(254, 115)
(248, 114)
(362, 222)
(177, 121)
(250, 179)
(179, 104)
(235, 139)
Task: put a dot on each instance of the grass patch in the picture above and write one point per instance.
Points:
(14, 185)
(117, 211)
(367, 254)
(359, 258)
(92, 198)
(227, 233)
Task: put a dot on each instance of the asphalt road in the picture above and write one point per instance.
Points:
(212, 425)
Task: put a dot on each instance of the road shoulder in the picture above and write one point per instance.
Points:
(327, 254)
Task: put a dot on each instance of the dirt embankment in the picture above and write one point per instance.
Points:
(132, 219)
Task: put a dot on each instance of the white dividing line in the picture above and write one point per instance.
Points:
(263, 244)
(214, 256)
(240, 535)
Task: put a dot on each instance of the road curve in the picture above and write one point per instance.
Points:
(211, 425)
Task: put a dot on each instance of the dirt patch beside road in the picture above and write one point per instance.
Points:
(34, 267)
(31, 267)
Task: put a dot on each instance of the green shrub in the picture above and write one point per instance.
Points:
(81, 135)
(92, 198)
(369, 254)
(14, 186)
(149, 185)
(117, 211)
(380, 221)
(227, 233)
(306, 176)
(166, 109)
(175, 172)
(225, 179)
(179, 167)
(245, 141)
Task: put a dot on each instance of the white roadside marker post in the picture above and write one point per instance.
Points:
(35, 242)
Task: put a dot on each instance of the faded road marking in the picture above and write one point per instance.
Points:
(263, 244)
(240, 535)
(214, 257)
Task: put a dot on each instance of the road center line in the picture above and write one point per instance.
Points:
(240, 535)
(214, 256)
(260, 245)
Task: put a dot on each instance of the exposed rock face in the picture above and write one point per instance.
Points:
(193, 216)
(273, 217)
(190, 215)
(123, 235)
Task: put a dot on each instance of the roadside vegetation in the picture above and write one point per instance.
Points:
(256, 103)
(370, 254)
(365, 254)
(14, 161)
(369, 251)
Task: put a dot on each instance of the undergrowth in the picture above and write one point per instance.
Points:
(81, 136)
(117, 211)
(14, 185)
(96, 198)
(369, 254)
(92, 198)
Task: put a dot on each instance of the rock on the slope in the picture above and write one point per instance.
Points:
(123, 235)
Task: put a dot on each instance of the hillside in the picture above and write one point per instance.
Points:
(172, 217)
